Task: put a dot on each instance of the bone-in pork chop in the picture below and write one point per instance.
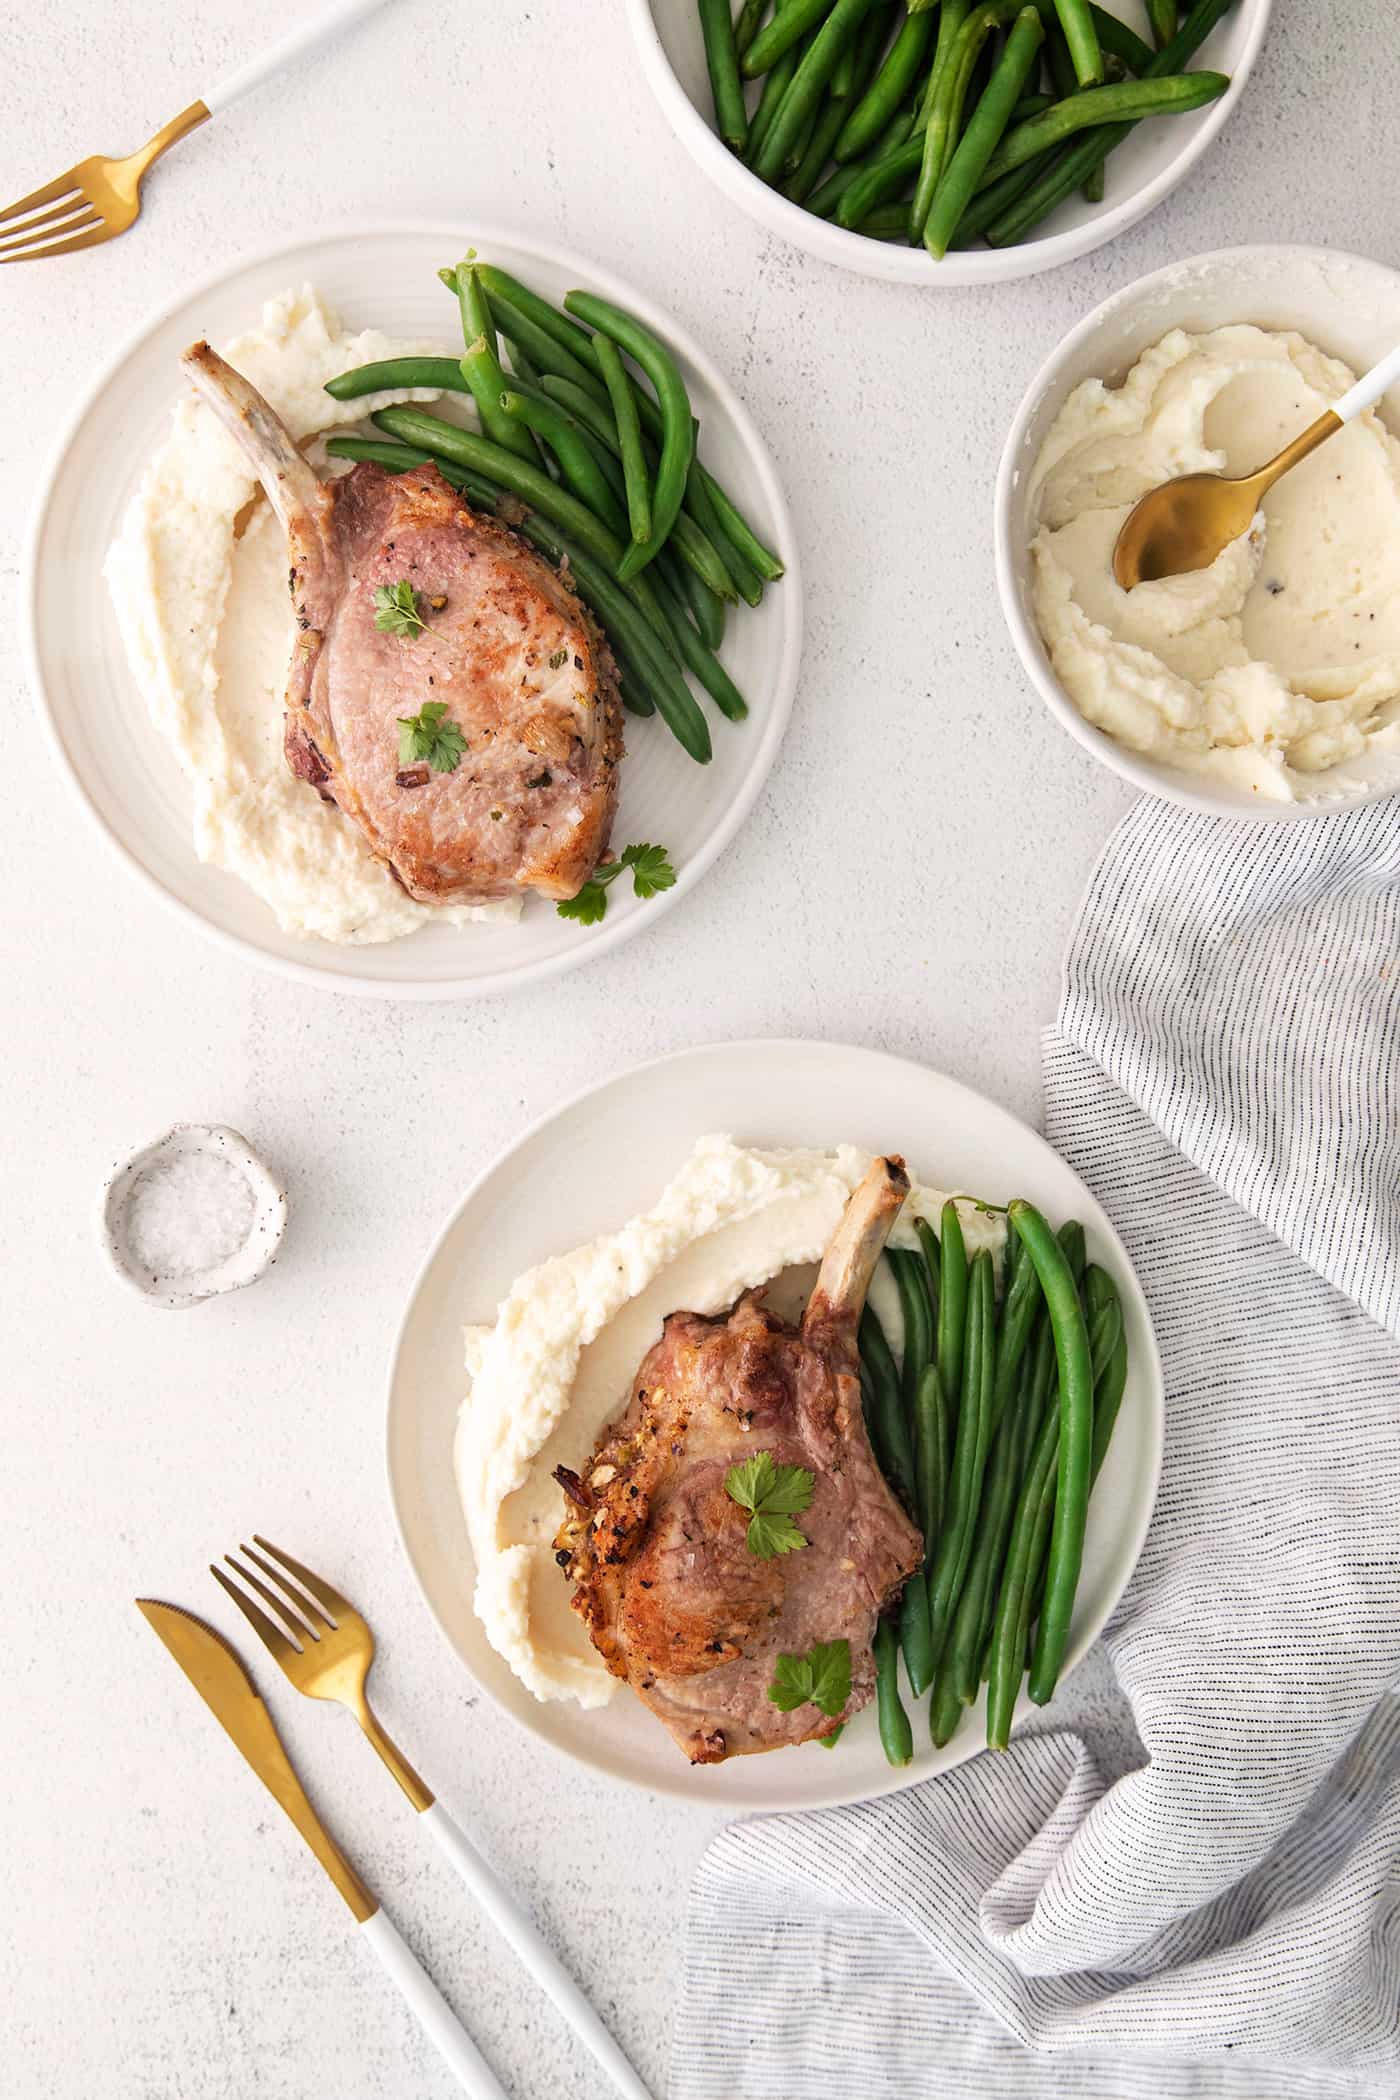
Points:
(504, 650)
(675, 1599)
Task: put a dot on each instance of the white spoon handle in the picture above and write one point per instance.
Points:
(1370, 388)
(302, 40)
(533, 1950)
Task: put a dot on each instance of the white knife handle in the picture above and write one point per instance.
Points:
(1369, 388)
(341, 16)
(432, 2011)
(534, 1951)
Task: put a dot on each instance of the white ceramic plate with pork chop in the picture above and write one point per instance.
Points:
(386, 279)
(603, 1158)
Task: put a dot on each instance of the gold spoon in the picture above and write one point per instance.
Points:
(1185, 523)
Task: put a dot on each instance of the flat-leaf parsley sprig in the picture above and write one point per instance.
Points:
(774, 1495)
(651, 873)
(396, 609)
(822, 1675)
(429, 735)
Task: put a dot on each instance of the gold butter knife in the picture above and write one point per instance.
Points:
(217, 1674)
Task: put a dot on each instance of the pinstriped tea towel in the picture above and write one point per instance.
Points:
(1224, 1921)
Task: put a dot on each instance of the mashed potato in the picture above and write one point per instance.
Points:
(1280, 662)
(568, 1340)
(198, 576)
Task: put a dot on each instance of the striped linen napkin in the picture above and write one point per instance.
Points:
(1225, 1920)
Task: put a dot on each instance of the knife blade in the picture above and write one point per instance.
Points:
(217, 1674)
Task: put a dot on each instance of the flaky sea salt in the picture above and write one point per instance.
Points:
(188, 1213)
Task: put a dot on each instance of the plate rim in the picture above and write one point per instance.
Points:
(675, 1789)
(604, 939)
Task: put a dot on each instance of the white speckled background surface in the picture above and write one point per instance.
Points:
(906, 880)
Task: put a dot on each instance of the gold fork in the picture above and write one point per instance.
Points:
(325, 1648)
(99, 198)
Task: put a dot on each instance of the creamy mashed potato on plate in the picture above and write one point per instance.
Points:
(198, 577)
(568, 1339)
(1279, 665)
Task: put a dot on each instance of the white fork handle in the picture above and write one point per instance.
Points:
(534, 1951)
(432, 2011)
(341, 16)
(1370, 388)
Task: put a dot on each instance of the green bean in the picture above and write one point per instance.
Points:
(889, 1431)
(481, 368)
(908, 1271)
(828, 194)
(885, 95)
(748, 24)
(679, 708)
(1071, 1238)
(933, 1264)
(947, 104)
(1129, 101)
(688, 539)
(675, 702)
(1009, 1630)
(793, 20)
(1162, 16)
(808, 83)
(775, 86)
(546, 320)
(696, 654)
(636, 695)
(952, 15)
(877, 181)
(1105, 1333)
(960, 1664)
(916, 1632)
(629, 433)
(1083, 39)
(1076, 1440)
(1078, 162)
(930, 1456)
(541, 345)
(722, 62)
(677, 430)
(707, 608)
(896, 1735)
(738, 577)
(394, 374)
(401, 459)
(577, 465)
(952, 1304)
(1031, 106)
(521, 367)
(1108, 1396)
(1020, 1306)
(833, 1737)
(805, 176)
(737, 529)
(974, 150)
(1115, 37)
(969, 1452)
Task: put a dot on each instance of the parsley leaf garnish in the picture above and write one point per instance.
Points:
(822, 1675)
(651, 873)
(774, 1494)
(427, 735)
(396, 609)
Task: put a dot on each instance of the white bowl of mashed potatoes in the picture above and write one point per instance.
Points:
(1267, 686)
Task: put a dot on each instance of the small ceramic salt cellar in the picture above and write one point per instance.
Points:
(192, 1215)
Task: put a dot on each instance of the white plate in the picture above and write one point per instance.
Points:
(1143, 170)
(601, 1159)
(385, 278)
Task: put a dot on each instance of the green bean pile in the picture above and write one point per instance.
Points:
(942, 123)
(594, 460)
(991, 1431)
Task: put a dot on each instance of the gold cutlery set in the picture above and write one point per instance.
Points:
(325, 1648)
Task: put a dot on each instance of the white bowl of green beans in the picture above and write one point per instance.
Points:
(967, 142)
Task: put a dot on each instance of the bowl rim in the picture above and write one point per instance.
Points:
(505, 981)
(895, 264)
(1168, 783)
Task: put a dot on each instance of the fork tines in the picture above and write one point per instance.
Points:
(314, 1604)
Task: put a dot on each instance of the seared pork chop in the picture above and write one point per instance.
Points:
(505, 646)
(675, 1601)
